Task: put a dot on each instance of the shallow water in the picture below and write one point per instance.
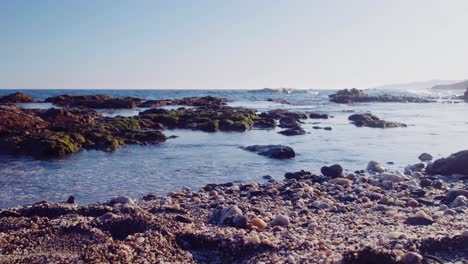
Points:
(196, 158)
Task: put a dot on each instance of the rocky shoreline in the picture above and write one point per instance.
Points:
(335, 216)
(339, 217)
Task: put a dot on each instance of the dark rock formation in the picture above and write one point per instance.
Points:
(273, 151)
(294, 131)
(369, 120)
(318, 116)
(455, 164)
(94, 101)
(16, 98)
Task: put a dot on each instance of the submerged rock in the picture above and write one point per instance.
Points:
(295, 131)
(454, 164)
(273, 151)
(369, 120)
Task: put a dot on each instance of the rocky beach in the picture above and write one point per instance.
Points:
(380, 212)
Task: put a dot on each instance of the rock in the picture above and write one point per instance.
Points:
(356, 96)
(225, 216)
(425, 183)
(71, 200)
(257, 222)
(419, 220)
(415, 168)
(296, 131)
(125, 200)
(318, 116)
(273, 151)
(281, 220)
(374, 166)
(391, 177)
(412, 258)
(412, 203)
(450, 212)
(107, 216)
(369, 120)
(16, 98)
(281, 113)
(459, 201)
(425, 157)
(451, 195)
(94, 101)
(333, 171)
(342, 181)
(289, 122)
(240, 221)
(454, 164)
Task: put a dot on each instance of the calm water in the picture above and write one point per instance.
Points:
(196, 158)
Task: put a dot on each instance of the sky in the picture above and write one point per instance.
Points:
(175, 44)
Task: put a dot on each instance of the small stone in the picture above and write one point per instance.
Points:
(240, 221)
(412, 203)
(443, 207)
(396, 235)
(465, 234)
(291, 259)
(412, 258)
(425, 182)
(343, 181)
(125, 200)
(374, 166)
(257, 222)
(459, 201)
(107, 216)
(450, 212)
(417, 174)
(281, 220)
(417, 220)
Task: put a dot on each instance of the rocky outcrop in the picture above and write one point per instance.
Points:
(369, 120)
(454, 164)
(16, 98)
(94, 101)
(273, 151)
(60, 132)
(358, 96)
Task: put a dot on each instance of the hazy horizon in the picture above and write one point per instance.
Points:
(113, 44)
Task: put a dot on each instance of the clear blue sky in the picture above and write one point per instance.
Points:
(230, 44)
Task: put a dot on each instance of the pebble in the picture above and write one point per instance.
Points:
(459, 201)
(122, 200)
(396, 235)
(257, 222)
(281, 220)
(425, 182)
(374, 166)
(425, 157)
(465, 234)
(412, 203)
(343, 181)
(291, 259)
(450, 212)
(228, 212)
(412, 258)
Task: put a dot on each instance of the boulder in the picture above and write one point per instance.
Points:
(358, 96)
(94, 101)
(318, 116)
(454, 164)
(273, 151)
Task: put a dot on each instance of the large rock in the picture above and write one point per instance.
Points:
(16, 98)
(354, 95)
(94, 101)
(369, 120)
(455, 164)
(294, 131)
(273, 151)
(15, 120)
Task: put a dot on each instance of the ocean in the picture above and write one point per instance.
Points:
(196, 158)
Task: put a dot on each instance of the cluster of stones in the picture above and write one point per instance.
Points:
(373, 215)
(348, 96)
(369, 120)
